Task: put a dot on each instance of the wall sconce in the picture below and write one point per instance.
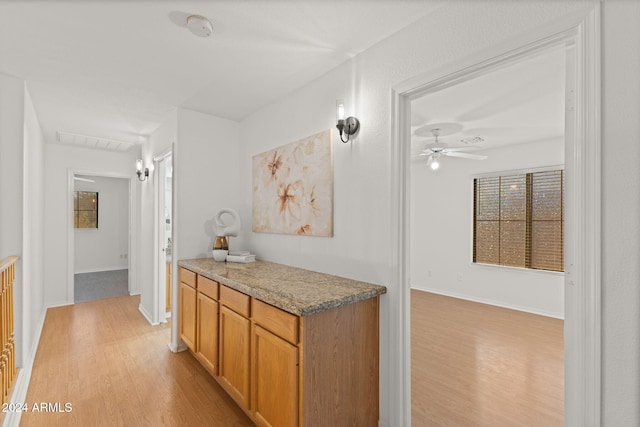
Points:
(348, 126)
(140, 171)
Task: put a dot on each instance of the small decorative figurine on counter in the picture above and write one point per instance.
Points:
(223, 230)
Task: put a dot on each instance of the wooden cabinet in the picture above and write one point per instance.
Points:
(188, 303)
(234, 354)
(274, 366)
(339, 366)
(274, 379)
(207, 341)
(285, 370)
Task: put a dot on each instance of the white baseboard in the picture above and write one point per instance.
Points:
(58, 304)
(492, 302)
(146, 315)
(177, 349)
(19, 393)
(134, 293)
(101, 269)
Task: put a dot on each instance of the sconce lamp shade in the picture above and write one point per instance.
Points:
(140, 171)
(339, 110)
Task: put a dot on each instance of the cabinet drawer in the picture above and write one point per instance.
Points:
(235, 300)
(188, 277)
(281, 323)
(208, 287)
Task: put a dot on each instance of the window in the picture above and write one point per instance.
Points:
(519, 220)
(85, 209)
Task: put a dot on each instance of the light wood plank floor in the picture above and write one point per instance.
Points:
(479, 365)
(116, 370)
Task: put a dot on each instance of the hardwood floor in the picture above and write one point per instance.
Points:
(115, 369)
(479, 365)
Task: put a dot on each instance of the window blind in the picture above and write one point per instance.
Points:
(519, 220)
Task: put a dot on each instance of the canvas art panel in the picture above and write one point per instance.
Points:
(293, 188)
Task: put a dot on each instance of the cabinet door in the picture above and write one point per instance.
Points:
(274, 379)
(234, 354)
(188, 315)
(207, 341)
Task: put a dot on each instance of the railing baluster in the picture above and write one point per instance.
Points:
(3, 365)
(8, 370)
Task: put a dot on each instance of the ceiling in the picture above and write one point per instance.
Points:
(113, 70)
(516, 104)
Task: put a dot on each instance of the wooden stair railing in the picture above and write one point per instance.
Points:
(8, 369)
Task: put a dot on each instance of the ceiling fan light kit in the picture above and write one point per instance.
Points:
(434, 162)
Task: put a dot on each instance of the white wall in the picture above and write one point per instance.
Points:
(33, 235)
(12, 152)
(159, 142)
(107, 247)
(621, 213)
(21, 209)
(361, 247)
(206, 167)
(59, 160)
(442, 230)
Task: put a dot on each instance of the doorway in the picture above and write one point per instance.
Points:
(502, 127)
(582, 292)
(99, 252)
(101, 233)
(164, 235)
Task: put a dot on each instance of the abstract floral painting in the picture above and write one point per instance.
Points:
(293, 188)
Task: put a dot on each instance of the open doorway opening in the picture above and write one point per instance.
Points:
(101, 237)
(486, 268)
(164, 235)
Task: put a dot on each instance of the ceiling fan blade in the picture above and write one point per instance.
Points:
(455, 149)
(426, 152)
(465, 155)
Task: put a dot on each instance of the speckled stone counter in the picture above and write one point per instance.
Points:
(295, 290)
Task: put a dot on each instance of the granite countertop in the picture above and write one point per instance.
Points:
(295, 290)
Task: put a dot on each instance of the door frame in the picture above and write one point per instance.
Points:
(159, 289)
(132, 259)
(582, 403)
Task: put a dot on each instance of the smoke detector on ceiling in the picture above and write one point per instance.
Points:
(199, 25)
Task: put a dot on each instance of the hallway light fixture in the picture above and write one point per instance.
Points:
(348, 126)
(140, 171)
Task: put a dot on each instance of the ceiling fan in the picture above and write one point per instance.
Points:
(437, 149)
